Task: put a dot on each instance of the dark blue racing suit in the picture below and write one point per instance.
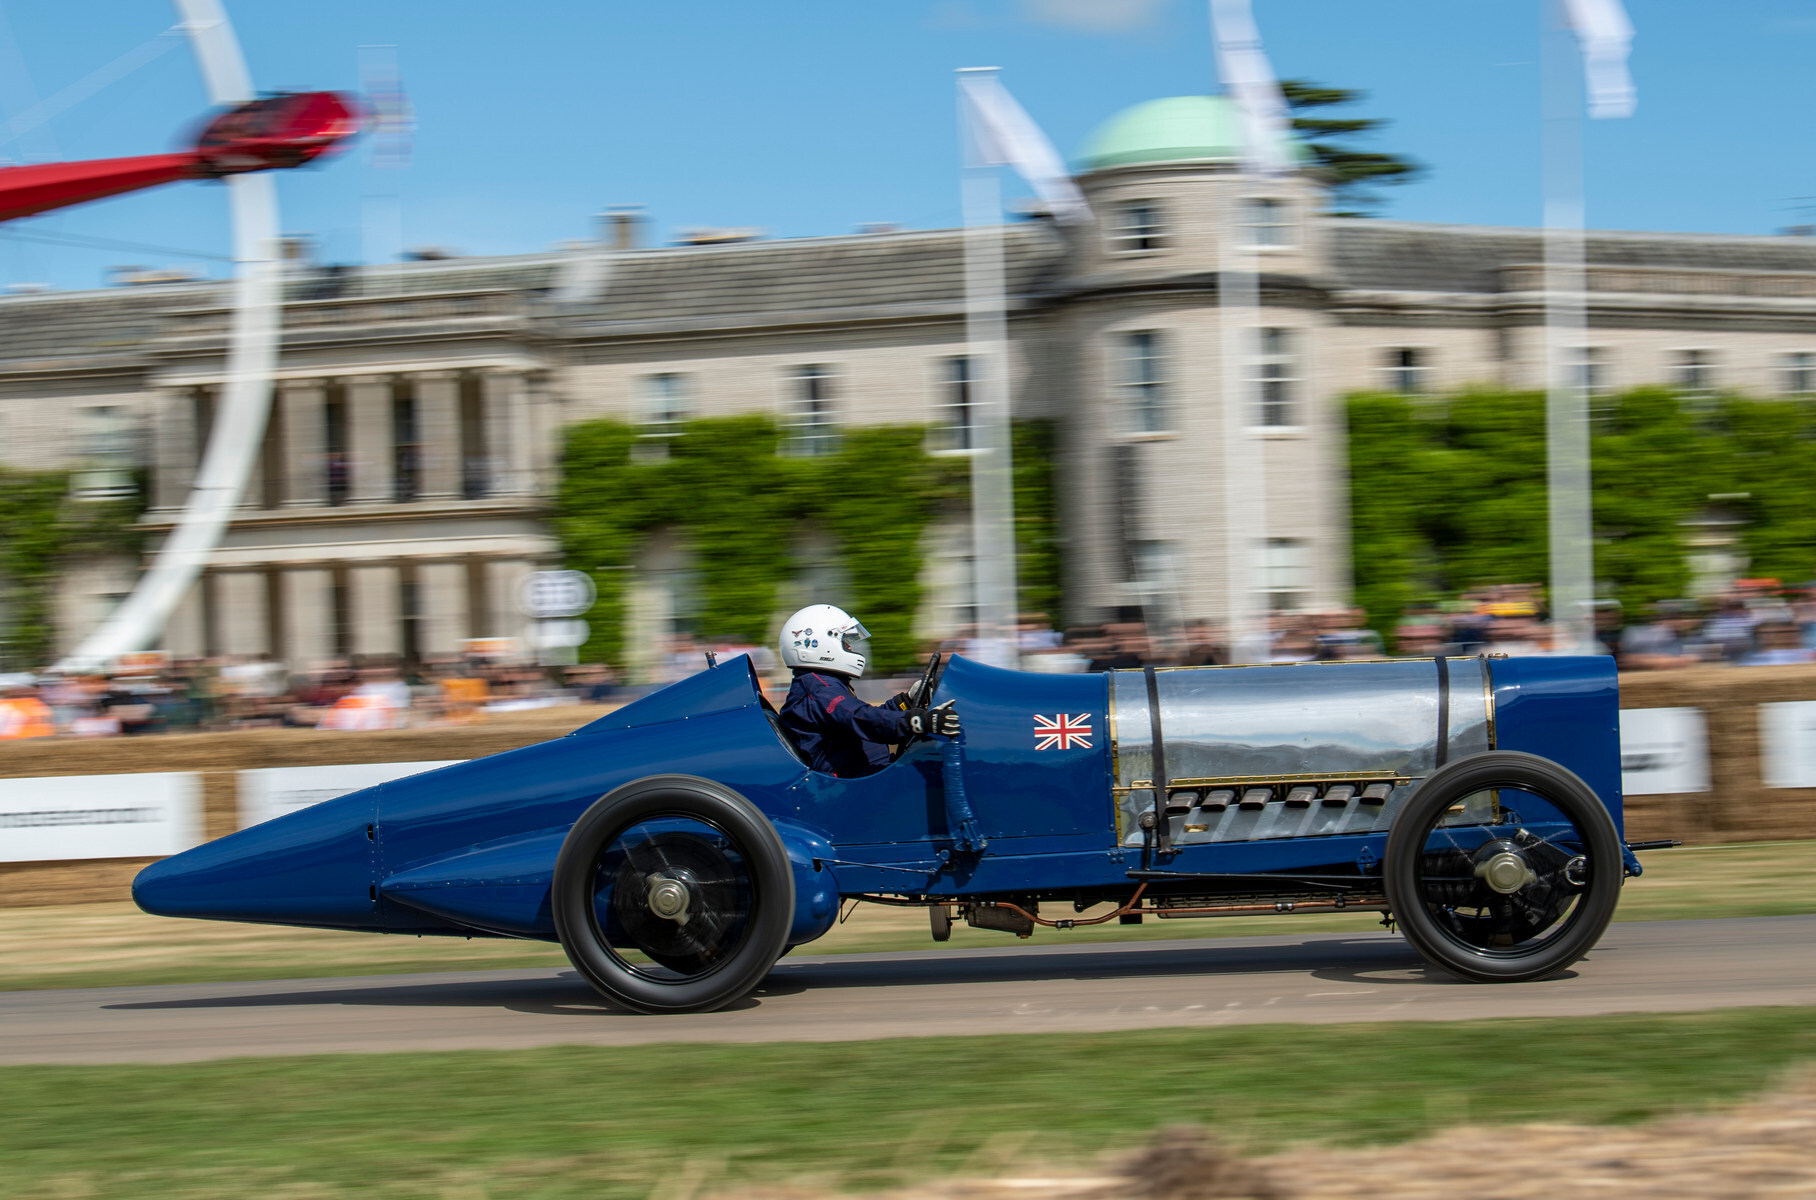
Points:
(834, 730)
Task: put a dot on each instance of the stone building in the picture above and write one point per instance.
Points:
(406, 476)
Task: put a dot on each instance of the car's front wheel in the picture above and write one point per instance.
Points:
(673, 894)
(1503, 867)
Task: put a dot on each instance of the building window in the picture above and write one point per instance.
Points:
(662, 411)
(1276, 378)
(1138, 226)
(1407, 368)
(1267, 223)
(1286, 570)
(957, 405)
(1591, 370)
(105, 437)
(1696, 371)
(406, 444)
(1799, 372)
(1144, 375)
(812, 430)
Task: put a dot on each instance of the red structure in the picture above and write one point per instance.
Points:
(285, 130)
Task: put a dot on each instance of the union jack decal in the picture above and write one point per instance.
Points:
(1062, 732)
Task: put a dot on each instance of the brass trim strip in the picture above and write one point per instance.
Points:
(1488, 702)
(1109, 683)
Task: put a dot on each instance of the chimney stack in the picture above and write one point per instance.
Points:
(622, 226)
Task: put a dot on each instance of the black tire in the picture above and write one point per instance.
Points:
(716, 852)
(1437, 872)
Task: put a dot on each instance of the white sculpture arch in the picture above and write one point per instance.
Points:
(239, 427)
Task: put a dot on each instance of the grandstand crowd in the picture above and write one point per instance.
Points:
(1757, 623)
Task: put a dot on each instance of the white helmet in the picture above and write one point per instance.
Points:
(825, 637)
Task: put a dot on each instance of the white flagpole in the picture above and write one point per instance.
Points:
(1598, 31)
(1566, 326)
(1248, 79)
(1244, 464)
(987, 349)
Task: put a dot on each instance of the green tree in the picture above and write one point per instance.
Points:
(724, 491)
(1354, 174)
(1448, 493)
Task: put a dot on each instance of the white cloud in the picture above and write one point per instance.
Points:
(1095, 16)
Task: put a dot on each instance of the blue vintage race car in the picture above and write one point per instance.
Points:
(677, 847)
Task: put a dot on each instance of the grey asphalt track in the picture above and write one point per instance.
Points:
(1042, 987)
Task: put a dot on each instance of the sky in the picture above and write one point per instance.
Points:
(812, 117)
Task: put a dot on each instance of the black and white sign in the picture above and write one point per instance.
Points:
(1663, 751)
(269, 792)
(99, 816)
(1787, 744)
(550, 594)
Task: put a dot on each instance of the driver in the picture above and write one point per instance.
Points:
(835, 731)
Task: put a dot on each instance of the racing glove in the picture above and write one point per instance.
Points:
(942, 720)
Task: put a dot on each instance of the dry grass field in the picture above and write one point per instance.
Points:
(98, 945)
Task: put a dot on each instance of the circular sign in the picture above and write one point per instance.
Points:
(548, 594)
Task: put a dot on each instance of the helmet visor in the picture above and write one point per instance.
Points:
(856, 640)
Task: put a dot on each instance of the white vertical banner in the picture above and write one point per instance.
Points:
(1605, 35)
(996, 131)
(1243, 66)
(999, 132)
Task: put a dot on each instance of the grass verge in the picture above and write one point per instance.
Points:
(597, 1122)
(105, 945)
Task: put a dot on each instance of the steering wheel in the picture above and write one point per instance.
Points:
(930, 679)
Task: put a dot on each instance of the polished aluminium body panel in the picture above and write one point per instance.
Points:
(1310, 725)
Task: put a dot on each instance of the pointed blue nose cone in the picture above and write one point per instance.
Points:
(316, 866)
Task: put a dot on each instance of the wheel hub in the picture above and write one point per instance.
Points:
(1503, 868)
(669, 898)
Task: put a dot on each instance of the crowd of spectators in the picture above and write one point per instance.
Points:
(1757, 623)
(149, 694)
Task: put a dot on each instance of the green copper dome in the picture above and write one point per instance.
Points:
(1179, 129)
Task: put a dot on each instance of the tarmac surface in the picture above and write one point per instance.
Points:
(1043, 987)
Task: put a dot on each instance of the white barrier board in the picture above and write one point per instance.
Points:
(1663, 751)
(1787, 744)
(69, 817)
(269, 792)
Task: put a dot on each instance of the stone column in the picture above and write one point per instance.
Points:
(504, 580)
(183, 634)
(438, 432)
(305, 444)
(479, 610)
(242, 621)
(545, 431)
(442, 592)
(369, 439)
(507, 435)
(309, 617)
(253, 494)
(374, 602)
(173, 448)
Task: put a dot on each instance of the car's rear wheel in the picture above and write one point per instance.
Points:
(673, 894)
(1503, 867)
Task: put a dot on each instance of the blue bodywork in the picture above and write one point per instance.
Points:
(471, 848)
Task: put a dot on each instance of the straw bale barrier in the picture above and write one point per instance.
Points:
(1737, 808)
